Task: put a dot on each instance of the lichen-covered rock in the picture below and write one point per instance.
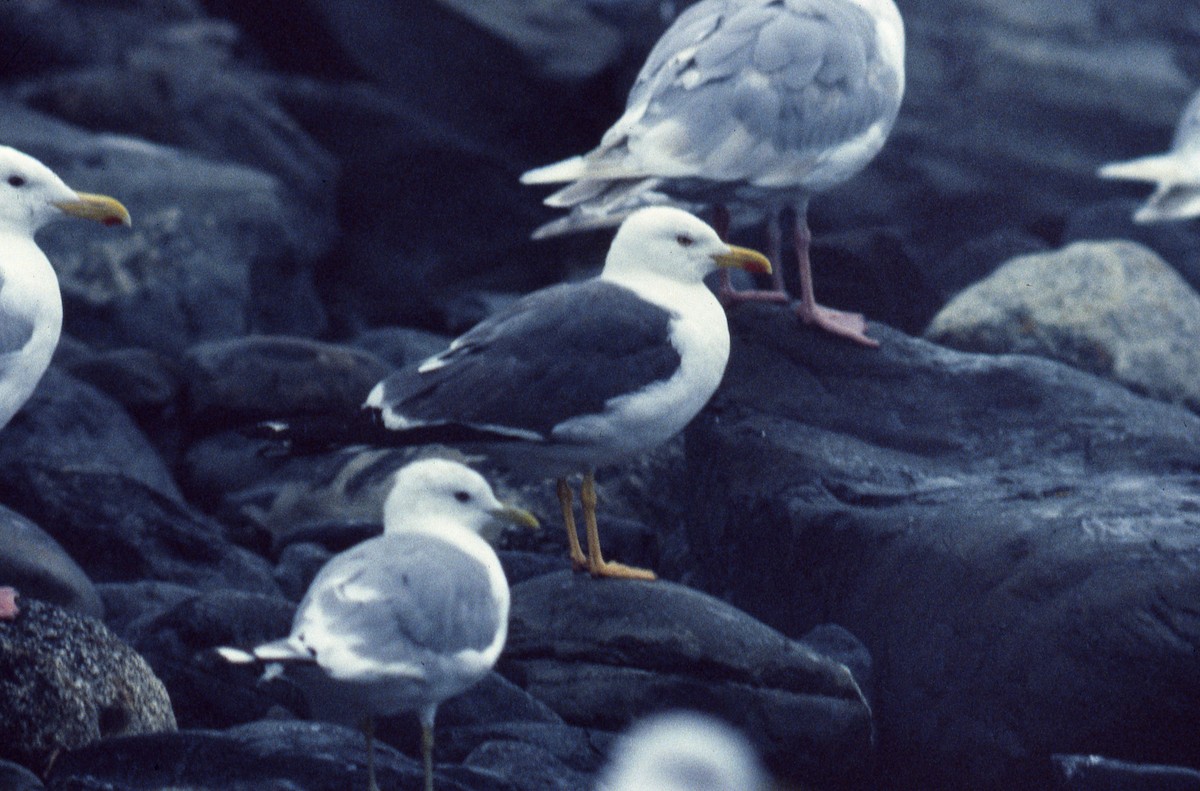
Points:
(67, 682)
(1111, 308)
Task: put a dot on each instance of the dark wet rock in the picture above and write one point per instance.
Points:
(1111, 308)
(325, 498)
(14, 777)
(209, 692)
(69, 425)
(179, 275)
(973, 520)
(401, 346)
(37, 566)
(245, 380)
(146, 383)
(602, 653)
(298, 564)
(128, 606)
(120, 529)
(460, 222)
(977, 258)
(183, 88)
(530, 766)
(52, 35)
(1094, 773)
(261, 756)
(67, 682)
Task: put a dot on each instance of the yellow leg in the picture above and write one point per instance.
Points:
(427, 754)
(565, 499)
(596, 564)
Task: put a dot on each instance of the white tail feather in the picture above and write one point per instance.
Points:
(1162, 168)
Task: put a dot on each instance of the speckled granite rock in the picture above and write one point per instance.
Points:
(1110, 308)
(67, 682)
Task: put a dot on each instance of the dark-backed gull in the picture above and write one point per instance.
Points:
(582, 374)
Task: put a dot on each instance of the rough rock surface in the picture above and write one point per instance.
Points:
(1014, 541)
(603, 653)
(67, 682)
(1111, 308)
(999, 547)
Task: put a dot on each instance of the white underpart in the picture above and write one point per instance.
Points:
(646, 418)
(30, 289)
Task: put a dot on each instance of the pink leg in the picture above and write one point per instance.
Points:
(8, 603)
(846, 325)
(725, 291)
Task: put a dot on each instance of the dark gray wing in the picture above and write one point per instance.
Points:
(804, 74)
(556, 354)
(396, 596)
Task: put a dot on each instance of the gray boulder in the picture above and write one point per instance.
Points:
(1013, 540)
(67, 682)
(603, 653)
(1111, 308)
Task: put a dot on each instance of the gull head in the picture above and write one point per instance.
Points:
(437, 491)
(671, 243)
(683, 751)
(31, 195)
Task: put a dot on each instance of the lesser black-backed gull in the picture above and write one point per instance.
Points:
(682, 751)
(408, 619)
(31, 196)
(748, 106)
(1176, 173)
(584, 374)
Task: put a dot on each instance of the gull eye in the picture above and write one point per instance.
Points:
(462, 496)
(684, 240)
(16, 181)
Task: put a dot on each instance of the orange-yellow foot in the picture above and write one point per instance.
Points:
(852, 326)
(579, 563)
(620, 571)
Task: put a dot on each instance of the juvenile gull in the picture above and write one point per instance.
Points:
(408, 619)
(750, 107)
(682, 751)
(30, 303)
(1176, 173)
(582, 374)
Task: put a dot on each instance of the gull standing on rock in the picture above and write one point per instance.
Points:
(408, 619)
(1176, 173)
(750, 107)
(580, 375)
(31, 196)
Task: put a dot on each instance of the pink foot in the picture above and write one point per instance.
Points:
(852, 326)
(730, 296)
(8, 603)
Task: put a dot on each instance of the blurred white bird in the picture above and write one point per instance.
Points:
(1176, 173)
(682, 751)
